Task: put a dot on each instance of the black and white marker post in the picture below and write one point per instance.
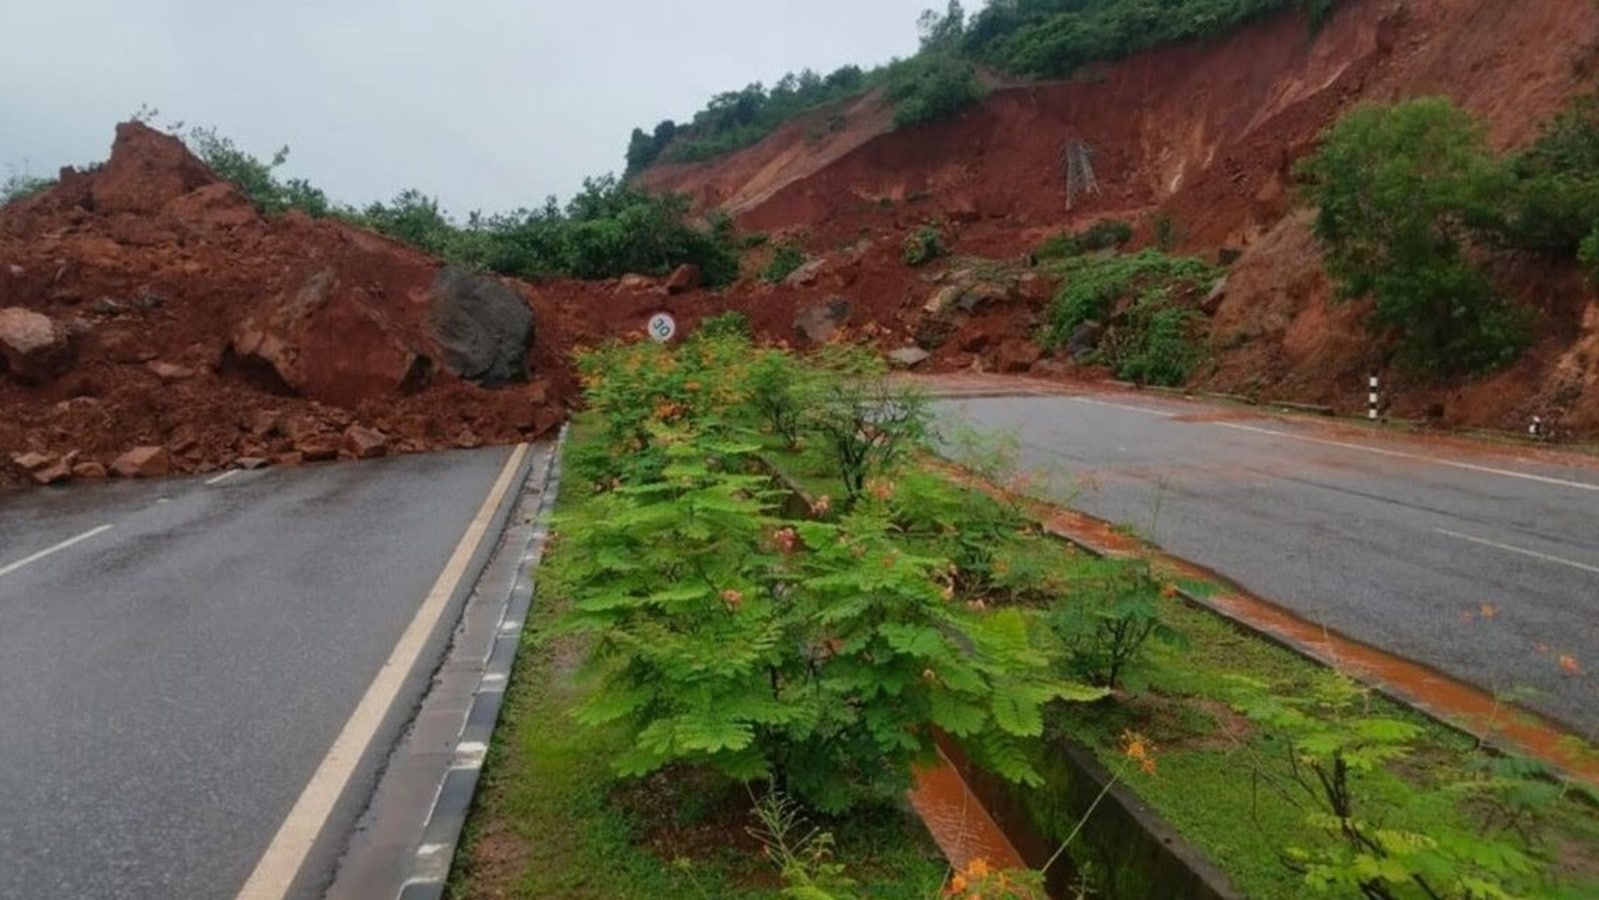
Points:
(1373, 400)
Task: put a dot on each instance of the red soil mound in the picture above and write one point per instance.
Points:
(191, 322)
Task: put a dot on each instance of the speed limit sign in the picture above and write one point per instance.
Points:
(662, 327)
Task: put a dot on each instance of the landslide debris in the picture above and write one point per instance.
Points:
(153, 321)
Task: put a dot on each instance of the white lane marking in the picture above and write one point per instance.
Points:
(274, 874)
(223, 477)
(48, 551)
(1148, 411)
(1416, 457)
(1524, 552)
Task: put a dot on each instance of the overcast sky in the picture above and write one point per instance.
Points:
(488, 104)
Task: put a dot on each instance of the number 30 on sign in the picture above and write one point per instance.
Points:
(662, 327)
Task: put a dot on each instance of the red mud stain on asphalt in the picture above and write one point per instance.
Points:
(1464, 706)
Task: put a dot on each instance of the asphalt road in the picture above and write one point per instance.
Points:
(168, 685)
(1390, 541)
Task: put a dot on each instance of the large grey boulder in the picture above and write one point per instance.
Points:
(483, 327)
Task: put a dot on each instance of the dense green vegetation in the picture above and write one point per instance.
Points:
(606, 230)
(1019, 38)
(1158, 337)
(1414, 211)
(1056, 38)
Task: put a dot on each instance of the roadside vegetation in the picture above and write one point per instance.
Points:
(764, 600)
(1415, 211)
(607, 230)
(1012, 38)
(1141, 309)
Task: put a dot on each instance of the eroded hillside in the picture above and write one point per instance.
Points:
(1206, 135)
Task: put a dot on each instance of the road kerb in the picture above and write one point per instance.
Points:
(277, 870)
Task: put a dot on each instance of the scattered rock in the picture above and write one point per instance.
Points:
(820, 322)
(1085, 340)
(1050, 368)
(909, 357)
(263, 423)
(54, 473)
(483, 327)
(467, 439)
(169, 373)
(31, 462)
(686, 278)
(944, 299)
(1213, 300)
(289, 460)
(143, 462)
(318, 448)
(634, 284)
(807, 274)
(983, 292)
(105, 306)
(963, 209)
(251, 463)
(365, 443)
(89, 470)
(1017, 355)
(33, 346)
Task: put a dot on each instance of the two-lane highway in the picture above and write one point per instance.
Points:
(1394, 542)
(177, 659)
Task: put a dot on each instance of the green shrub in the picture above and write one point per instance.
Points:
(1157, 342)
(1555, 203)
(1405, 196)
(20, 186)
(1110, 619)
(931, 87)
(787, 257)
(1106, 235)
(255, 177)
(1092, 286)
(924, 245)
(815, 652)
(730, 324)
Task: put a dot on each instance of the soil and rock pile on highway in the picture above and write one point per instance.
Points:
(152, 321)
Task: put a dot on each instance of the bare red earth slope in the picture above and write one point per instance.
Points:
(1207, 133)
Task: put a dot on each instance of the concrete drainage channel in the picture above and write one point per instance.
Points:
(406, 839)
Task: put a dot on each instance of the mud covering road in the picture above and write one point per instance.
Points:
(169, 684)
(1395, 542)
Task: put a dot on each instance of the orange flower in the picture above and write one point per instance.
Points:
(733, 599)
(958, 884)
(1168, 591)
(978, 868)
(1138, 749)
(1489, 611)
(1569, 665)
(821, 506)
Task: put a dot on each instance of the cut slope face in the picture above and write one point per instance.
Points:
(188, 321)
(1207, 134)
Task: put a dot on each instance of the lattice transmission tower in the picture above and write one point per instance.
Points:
(1078, 160)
